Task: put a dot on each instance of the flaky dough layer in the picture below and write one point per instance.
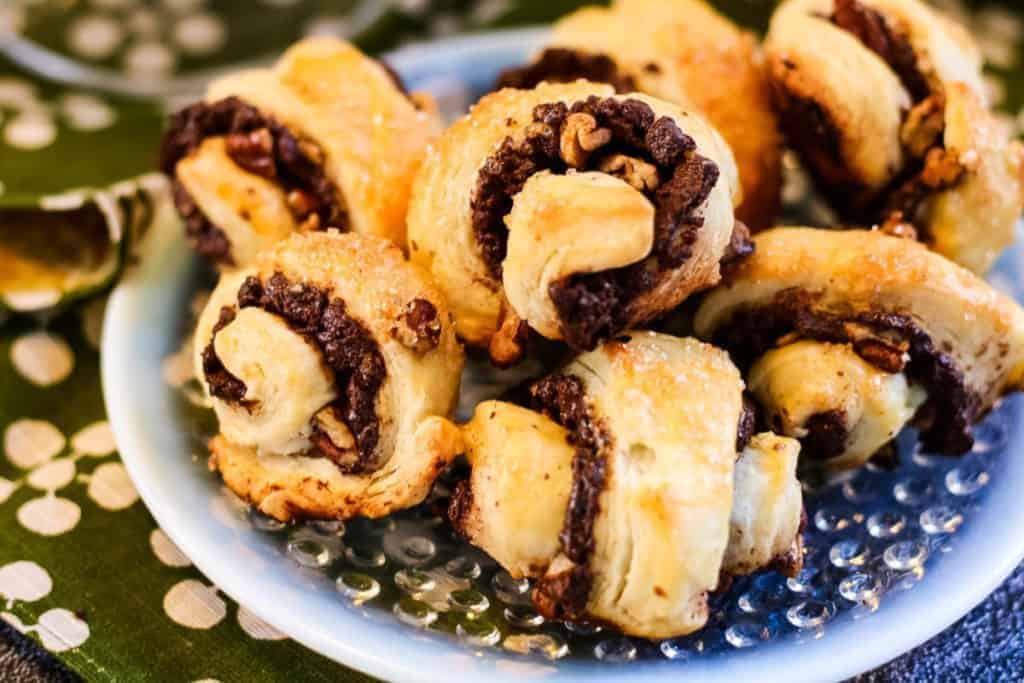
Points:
(273, 436)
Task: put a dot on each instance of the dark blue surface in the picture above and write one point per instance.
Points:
(986, 645)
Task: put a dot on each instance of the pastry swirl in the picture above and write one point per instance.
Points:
(330, 360)
(884, 101)
(688, 54)
(616, 490)
(848, 335)
(327, 138)
(573, 212)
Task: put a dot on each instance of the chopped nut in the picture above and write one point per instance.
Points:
(311, 224)
(507, 345)
(882, 355)
(418, 327)
(301, 203)
(312, 151)
(640, 174)
(941, 169)
(334, 439)
(580, 136)
(253, 151)
(923, 126)
(896, 225)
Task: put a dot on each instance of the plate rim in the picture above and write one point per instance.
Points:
(166, 260)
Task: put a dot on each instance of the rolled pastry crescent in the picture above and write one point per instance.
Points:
(688, 54)
(850, 335)
(332, 366)
(616, 491)
(884, 101)
(326, 138)
(572, 211)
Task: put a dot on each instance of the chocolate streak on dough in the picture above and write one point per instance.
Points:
(952, 407)
(827, 434)
(563, 399)
(222, 384)
(207, 239)
(564, 65)
(747, 424)
(872, 29)
(347, 347)
(594, 306)
(260, 145)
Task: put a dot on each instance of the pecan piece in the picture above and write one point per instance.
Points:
(418, 328)
(253, 151)
(638, 173)
(924, 125)
(883, 356)
(580, 136)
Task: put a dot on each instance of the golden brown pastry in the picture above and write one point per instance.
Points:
(884, 101)
(573, 212)
(616, 491)
(848, 335)
(767, 509)
(685, 52)
(326, 138)
(332, 365)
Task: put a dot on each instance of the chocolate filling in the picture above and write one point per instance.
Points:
(206, 238)
(826, 435)
(791, 562)
(348, 349)
(929, 171)
(595, 306)
(564, 65)
(815, 136)
(459, 507)
(747, 424)
(262, 146)
(563, 399)
(222, 384)
(741, 245)
(872, 29)
(952, 407)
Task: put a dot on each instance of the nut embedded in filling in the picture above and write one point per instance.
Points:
(564, 65)
(889, 341)
(418, 327)
(349, 431)
(564, 591)
(259, 145)
(929, 168)
(622, 138)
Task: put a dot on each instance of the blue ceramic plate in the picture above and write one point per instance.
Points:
(894, 556)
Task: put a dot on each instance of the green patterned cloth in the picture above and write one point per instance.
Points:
(83, 567)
